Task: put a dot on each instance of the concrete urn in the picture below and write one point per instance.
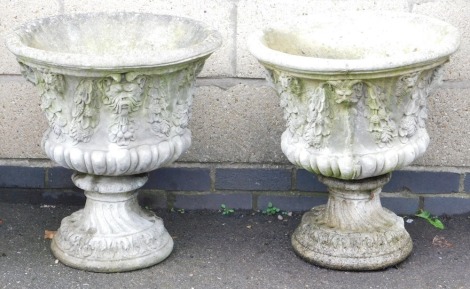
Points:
(353, 87)
(116, 89)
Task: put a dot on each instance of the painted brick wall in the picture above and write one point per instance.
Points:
(207, 186)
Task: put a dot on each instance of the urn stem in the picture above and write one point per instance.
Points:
(112, 233)
(352, 231)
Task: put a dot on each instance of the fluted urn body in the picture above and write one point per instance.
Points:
(353, 87)
(116, 90)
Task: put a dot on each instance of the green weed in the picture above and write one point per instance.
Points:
(181, 211)
(433, 220)
(271, 210)
(226, 210)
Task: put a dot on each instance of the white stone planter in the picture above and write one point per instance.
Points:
(117, 91)
(353, 87)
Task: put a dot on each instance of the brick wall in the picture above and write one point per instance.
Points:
(207, 186)
(237, 121)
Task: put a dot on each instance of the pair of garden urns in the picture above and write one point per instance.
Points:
(116, 89)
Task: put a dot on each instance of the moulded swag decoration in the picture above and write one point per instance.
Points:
(311, 118)
(51, 87)
(354, 101)
(85, 116)
(164, 121)
(168, 98)
(116, 89)
(318, 118)
(418, 86)
(381, 125)
(123, 93)
(347, 92)
(310, 105)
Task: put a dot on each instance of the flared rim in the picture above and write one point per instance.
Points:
(16, 44)
(448, 44)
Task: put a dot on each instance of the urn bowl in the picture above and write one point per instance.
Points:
(116, 88)
(354, 86)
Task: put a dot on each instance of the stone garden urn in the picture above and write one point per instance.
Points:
(353, 87)
(116, 90)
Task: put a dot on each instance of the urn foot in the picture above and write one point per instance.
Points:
(112, 233)
(353, 231)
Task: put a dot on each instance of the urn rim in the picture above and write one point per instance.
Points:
(24, 44)
(326, 54)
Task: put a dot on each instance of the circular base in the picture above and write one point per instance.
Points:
(343, 249)
(138, 243)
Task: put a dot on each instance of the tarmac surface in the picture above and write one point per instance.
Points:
(243, 250)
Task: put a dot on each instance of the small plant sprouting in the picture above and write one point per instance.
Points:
(431, 219)
(271, 210)
(226, 210)
(181, 211)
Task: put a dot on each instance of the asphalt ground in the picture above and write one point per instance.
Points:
(244, 250)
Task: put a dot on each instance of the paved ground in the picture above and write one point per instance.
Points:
(238, 251)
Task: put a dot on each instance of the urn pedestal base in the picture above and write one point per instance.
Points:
(353, 231)
(112, 233)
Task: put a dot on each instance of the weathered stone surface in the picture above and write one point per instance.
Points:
(355, 105)
(355, 108)
(253, 15)
(117, 100)
(111, 235)
(218, 14)
(352, 231)
(93, 91)
(249, 130)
